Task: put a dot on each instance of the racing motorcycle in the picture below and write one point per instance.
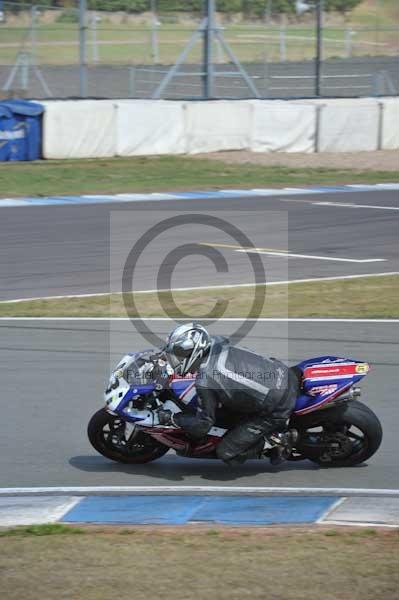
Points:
(329, 425)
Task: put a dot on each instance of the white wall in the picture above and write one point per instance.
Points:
(347, 125)
(281, 126)
(88, 128)
(219, 125)
(390, 126)
(79, 129)
(150, 127)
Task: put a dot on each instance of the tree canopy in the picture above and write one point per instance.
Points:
(254, 8)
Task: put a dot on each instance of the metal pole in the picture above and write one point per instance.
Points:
(283, 45)
(208, 74)
(196, 35)
(268, 11)
(319, 46)
(132, 81)
(154, 32)
(33, 31)
(82, 49)
(248, 80)
(95, 57)
(348, 42)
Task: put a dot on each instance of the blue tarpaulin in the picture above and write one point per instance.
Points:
(20, 130)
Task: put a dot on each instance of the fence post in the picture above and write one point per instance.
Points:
(283, 42)
(95, 55)
(132, 81)
(265, 75)
(82, 49)
(154, 37)
(319, 46)
(348, 42)
(32, 32)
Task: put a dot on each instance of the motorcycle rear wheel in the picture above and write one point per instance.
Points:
(106, 435)
(355, 427)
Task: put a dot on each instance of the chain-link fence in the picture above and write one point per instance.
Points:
(262, 53)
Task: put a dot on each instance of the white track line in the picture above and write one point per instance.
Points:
(35, 511)
(358, 524)
(347, 205)
(84, 490)
(331, 509)
(207, 287)
(312, 256)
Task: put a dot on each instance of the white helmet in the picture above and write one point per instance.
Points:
(186, 347)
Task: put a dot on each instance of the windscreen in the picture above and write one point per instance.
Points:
(138, 369)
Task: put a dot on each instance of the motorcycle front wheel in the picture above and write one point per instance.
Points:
(343, 436)
(106, 433)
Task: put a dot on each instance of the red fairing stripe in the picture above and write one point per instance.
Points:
(313, 407)
(330, 370)
(187, 390)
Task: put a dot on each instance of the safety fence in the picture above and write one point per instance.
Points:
(105, 128)
(45, 52)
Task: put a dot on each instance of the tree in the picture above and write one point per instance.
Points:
(342, 6)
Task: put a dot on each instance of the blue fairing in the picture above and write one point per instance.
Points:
(324, 378)
(134, 391)
(316, 391)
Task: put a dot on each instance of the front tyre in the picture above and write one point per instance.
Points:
(106, 433)
(344, 436)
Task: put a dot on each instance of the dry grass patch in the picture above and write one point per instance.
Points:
(185, 564)
(368, 297)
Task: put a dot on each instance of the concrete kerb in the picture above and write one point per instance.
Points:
(184, 505)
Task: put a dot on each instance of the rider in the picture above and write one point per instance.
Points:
(263, 390)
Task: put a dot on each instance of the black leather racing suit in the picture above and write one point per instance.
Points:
(263, 389)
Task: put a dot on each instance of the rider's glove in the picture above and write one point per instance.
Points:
(165, 417)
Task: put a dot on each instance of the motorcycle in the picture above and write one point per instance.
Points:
(329, 425)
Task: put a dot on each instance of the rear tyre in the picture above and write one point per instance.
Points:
(352, 433)
(106, 433)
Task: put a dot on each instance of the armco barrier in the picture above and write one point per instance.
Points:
(88, 128)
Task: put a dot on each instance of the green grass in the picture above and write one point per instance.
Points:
(368, 297)
(57, 43)
(40, 530)
(166, 173)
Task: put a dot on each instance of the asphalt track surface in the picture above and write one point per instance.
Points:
(53, 374)
(49, 251)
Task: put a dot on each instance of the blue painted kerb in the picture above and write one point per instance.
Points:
(179, 510)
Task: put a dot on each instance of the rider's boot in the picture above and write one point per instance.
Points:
(282, 449)
(253, 452)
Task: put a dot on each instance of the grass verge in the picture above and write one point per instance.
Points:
(368, 297)
(229, 564)
(166, 173)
